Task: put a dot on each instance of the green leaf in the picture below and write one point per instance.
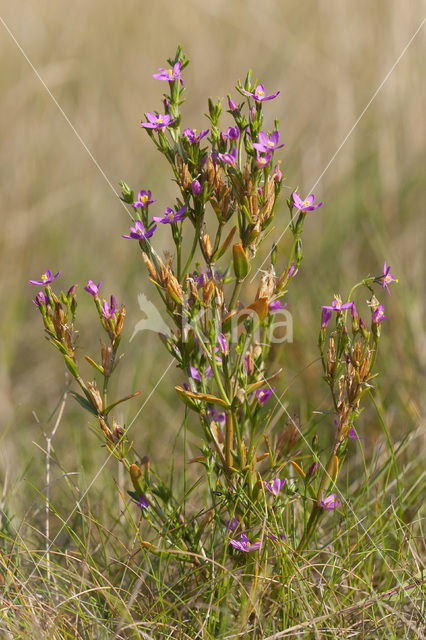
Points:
(82, 401)
(114, 404)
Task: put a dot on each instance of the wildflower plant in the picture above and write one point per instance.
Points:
(259, 496)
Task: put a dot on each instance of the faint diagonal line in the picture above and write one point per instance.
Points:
(357, 121)
(373, 97)
(66, 118)
(336, 488)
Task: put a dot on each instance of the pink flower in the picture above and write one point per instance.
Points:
(275, 486)
(305, 205)
(266, 143)
(387, 278)
(330, 502)
(144, 199)
(92, 288)
(169, 74)
(259, 94)
(46, 278)
(244, 544)
(156, 121)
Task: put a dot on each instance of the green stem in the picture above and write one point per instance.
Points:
(193, 249)
(235, 294)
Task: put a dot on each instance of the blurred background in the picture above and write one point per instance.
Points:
(75, 82)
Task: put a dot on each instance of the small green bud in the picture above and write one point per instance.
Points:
(241, 263)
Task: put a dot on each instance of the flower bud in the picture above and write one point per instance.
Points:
(299, 252)
(196, 187)
(241, 263)
(325, 318)
(232, 106)
(136, 477)
(223, 344)
(312, 469)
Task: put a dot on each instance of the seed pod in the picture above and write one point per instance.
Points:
(208, 292)
(120, 320)
(207, 245)
(219, 297)
(267, 285)
(106, 352)
(95, 395)
(182, 171)
(175, 289)
(150, 266)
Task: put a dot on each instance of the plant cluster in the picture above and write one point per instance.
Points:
(266, 492)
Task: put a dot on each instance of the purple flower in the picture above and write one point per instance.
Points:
(157, 121)
(275, 486)
(169, 74)
(46, 278)
(305, 205)
(108, 310)
(233, 133)
(244, 544)
(354, 313)
(138, 232)
(276, 306)
(266, 143)
(353, 436)
(144, 199)
(207, 275)
(275, 539)
(233, 525)
(196, 187)
(325, 317)
(142, 502)
(387, 278)
(259, 94)
(229, 158)
(171, 216)
(263, 394)
(196, 375)
(217, 417)
(337, 305)
(41, 298)
(191, 135)
(330, 502)
(378, 315)
(92, 288)
(262, 161)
